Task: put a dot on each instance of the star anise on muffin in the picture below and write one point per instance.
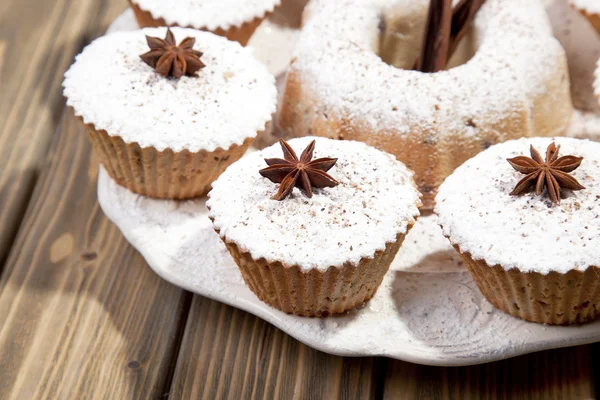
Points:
(552, 173)
(304, 172)
(168, 59)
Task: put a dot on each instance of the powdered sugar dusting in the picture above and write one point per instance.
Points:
(209, 14)
(526, 232)
(584, 125)
(590, 6)
(375, 200)
(425, 249)
(517, 57)
(224, 104)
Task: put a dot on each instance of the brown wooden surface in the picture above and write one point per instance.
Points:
(228, 353)
(83, 317)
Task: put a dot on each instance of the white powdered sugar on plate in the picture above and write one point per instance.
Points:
(337, 58)
(590, 6)
(375, 200)
(527, 232)
(208, 14)
(228, 101)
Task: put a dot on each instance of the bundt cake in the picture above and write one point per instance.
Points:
(351, 78)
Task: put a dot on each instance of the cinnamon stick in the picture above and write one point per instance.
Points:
(462, 18)
(434, 53)
(433, 57)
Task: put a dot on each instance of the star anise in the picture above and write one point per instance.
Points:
(302, 173)
(552, 173)
(169, 59)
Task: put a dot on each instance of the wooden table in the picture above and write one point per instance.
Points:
(81, 314)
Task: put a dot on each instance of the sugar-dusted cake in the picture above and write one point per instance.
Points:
(590, 9)
(314, 231)
(525, 217)
(234, 19)
(167, 116)
(352, 78)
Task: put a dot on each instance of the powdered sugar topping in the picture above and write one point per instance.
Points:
(207, 14)
(590, 6)
(526, 232)
(337, 57)
(223, 104)
(375, 200)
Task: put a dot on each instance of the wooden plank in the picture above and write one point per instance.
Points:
(555, 374)
(38, 40)
(82, 315)
(595, 354)
(228, 353)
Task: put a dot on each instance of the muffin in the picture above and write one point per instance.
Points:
(234, 19)
(528, 227)
(590, 9)
(166, 124)
(314, 238)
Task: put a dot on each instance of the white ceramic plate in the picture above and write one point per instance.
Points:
(428, 310)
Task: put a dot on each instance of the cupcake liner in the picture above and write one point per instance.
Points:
(239, 34)
(162, 174)
(557, 299)
(314, 293)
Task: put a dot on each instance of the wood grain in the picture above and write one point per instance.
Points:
(82, 315)
(554, 374)
(3, 46)
(38, 40)
(228, 353)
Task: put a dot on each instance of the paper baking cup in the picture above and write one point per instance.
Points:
(239, 34)
(164, 174)
(315, 293)
(558, 299)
